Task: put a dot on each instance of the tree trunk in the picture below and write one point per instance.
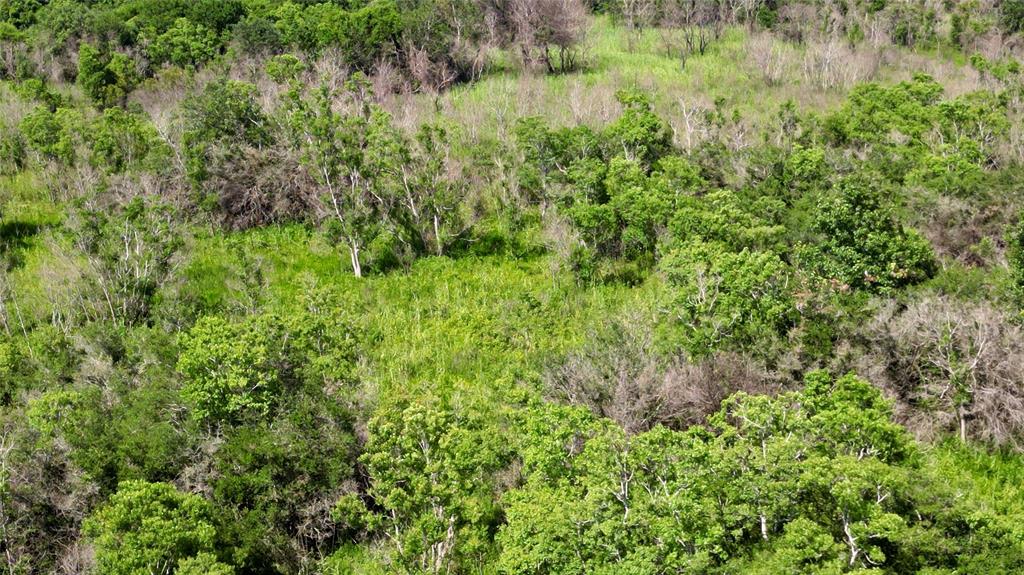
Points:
(437, 235)
(353, 251)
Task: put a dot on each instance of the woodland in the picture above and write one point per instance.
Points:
(511, 287)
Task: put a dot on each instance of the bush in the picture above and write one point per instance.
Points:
(860, 242)
(184, 44)
(150, 528)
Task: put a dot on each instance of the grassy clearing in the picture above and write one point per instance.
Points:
(472, 325)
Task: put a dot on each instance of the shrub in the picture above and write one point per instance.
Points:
(723, 300)
(150, 528)
(860, 242)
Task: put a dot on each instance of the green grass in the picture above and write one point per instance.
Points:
(447, 326)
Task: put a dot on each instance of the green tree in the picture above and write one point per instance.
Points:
(219, 122)
(106, 78)
(230, 369)
(432, 478)
(184, 44)
(861, 243)
(722, 299)
(350, 154)
(121, 141)
(149, 528)
(130, 250)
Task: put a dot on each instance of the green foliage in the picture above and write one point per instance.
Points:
(815, 481)
(432, 477)
(106, 78)
(121, 141)
(129, 250)
(53, 134)
(221, 120)
(1012, 15)
(19, 13)
(229, 369)
(722, 299)
(642, 135)
(184, 44)
(861, 244)
(1015, 239)
(152, 528)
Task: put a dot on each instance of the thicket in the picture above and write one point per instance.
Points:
(256, 318)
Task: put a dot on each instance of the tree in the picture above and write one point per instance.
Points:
(184, 44)
(954, 367)
(121, 141)
(130, 250)
(1012, 15)
(431, 190)
(349, 154)
(219, 123)
(432, 479)
(106, 78)
(725, 300)
(861, 244)
(540, 25)
(230, 369)
(151, 528)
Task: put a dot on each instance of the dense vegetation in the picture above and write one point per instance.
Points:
(511, 287)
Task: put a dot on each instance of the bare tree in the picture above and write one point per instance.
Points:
(953, 366)
(549, 32)
(620, 376)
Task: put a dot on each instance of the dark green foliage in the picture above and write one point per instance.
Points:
(309, 328)
(107, 78)
(219, 122)
(1012, 15)
(120, 141)
(862, 245)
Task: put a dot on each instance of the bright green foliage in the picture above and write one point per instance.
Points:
(54, 135)
(354, 156)
(184, 44)
(229, 369)
(722, 299)
(873, 112)
(150, 528)
(721, 216)
(862, 245)
(203, 564)
(106, 78)
(899, 124)
(815, 481)
(639, 133)
(363, 34)
(432, 477)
